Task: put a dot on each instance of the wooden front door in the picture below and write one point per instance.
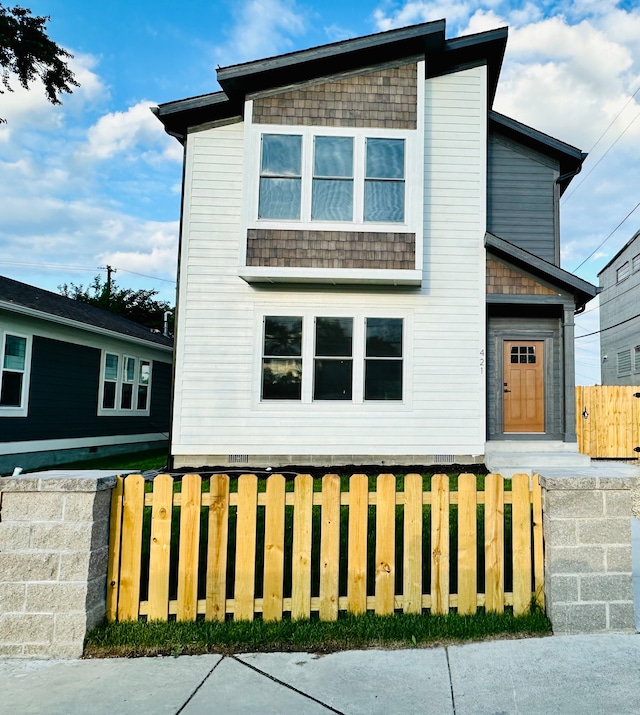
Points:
(523, 386)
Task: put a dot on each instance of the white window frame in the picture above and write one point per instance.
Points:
(358, 357)
(412, 178)
(23, 409)
(118, 410)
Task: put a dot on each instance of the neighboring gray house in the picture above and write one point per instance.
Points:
(620, 316)
(76, 382)
(369, 261)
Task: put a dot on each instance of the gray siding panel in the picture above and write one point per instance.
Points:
(521, 197)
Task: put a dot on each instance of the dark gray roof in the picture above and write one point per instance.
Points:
(423, 40)
(52, 306)
(581, 289)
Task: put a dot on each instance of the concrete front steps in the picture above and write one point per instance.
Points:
(528, 457)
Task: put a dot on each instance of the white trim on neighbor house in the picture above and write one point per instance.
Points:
(45, 445)
(21, 410)
(42, 315)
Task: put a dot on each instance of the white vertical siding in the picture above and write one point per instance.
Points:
(217, 405)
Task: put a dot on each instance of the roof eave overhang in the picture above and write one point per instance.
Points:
(337, 57)
(425, 40)
(87, 327)
(582, 290)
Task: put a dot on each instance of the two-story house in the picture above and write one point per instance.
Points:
(369, 260)
(620, 316)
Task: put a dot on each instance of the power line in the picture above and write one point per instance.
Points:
(607, 238)
(566, 197)
(596, 332)
(591, 170)
(81, 268)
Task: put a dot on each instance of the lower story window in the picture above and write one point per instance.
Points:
(125, 384)
(383, 359)
(14, 377)
(282, 358)
(354, 359)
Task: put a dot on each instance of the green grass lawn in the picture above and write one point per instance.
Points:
(139, 638)
(139, 461)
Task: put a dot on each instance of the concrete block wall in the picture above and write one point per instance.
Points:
(588, 562)
(54, 540)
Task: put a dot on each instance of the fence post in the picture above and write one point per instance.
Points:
(54, 543)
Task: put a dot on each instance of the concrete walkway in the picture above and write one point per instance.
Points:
(560, 675)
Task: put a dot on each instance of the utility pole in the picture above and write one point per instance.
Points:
(109, 271)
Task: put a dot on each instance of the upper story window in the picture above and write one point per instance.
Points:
(635, 266)
(280, 176)
(314, 178)
(332, 192)
(384, 180)
(622, 272)
(15, 354)
(125, 385)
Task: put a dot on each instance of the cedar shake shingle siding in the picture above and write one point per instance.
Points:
(503, 280)
(387, 98)
(330, 249)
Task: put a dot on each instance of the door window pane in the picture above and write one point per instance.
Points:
(280, 176)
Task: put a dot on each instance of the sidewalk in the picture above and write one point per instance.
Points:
(561, 675)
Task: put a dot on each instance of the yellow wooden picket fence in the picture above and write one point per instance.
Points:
(278, 552)
(608, 420)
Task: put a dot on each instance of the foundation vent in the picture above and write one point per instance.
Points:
(443, 459)
(238, 458)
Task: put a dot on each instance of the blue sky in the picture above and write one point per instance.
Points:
(97, 181)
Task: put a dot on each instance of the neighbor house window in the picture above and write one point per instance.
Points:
(624, 363)
(354, 179)
(282, 358)
(622, 272)
(636, 263)
(14, 361)
(126, 382)
(280, 176)
(333, 362)
(383, 359)
(636, 358)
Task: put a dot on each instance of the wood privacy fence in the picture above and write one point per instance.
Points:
(608, 420)
(280, 551)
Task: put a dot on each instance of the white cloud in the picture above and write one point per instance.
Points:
(419, 11)
(29, 108)
(262, 28)
(133, 132)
